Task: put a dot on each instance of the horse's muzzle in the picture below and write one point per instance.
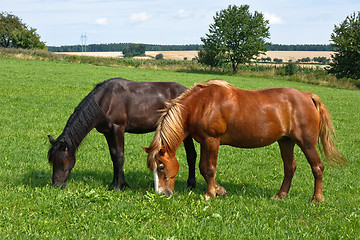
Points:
(167, 192)
(59, 183)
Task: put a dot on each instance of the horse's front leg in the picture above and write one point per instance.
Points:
(115, 140)
(208, 161)
(191, 160)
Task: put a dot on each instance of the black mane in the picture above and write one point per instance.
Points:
(84, 118)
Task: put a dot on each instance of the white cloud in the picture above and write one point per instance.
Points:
(273, 19)
(139, 17)
(101, 21)
(183, 13)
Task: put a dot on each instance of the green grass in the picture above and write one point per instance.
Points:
(37, 98)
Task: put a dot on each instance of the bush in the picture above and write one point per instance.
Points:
(291, 68)
(278, 60)
(321, 60)
(159, 56)
(304, 60)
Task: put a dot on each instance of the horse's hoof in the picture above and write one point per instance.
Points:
(317, 199)
(121, 187)
(124, 186)
(221, 192)
(280, 196)
(207, 197)
(191, 183)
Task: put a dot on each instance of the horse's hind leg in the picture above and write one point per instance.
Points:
(287, 154)
(115, 140)
(317, 168)
(191, 160)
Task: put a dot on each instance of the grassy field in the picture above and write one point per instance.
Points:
(37, 98)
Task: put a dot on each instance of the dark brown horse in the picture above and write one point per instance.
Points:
(216, 113)
(114, 107)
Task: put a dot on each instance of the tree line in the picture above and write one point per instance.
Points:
(300, 47)
(119, 47)
(319, 60)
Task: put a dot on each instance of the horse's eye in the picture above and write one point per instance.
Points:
(161, 167)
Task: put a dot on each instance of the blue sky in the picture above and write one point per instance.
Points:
(61, 22)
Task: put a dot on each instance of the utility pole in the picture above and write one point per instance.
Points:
(83, 42)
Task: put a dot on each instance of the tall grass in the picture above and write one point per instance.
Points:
(37, 98)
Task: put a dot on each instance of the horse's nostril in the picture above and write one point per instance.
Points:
(168, 192)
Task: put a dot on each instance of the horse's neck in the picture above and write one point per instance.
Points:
(85, 117)
(73, 139)
(172, 137)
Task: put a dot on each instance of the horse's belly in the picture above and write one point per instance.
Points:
(250, 140)
(248, 143)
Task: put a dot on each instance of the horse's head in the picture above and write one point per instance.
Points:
(165, 167)
(61, 159)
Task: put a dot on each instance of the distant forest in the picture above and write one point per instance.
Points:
(118, 47)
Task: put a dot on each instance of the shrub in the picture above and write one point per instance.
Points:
(159, 56)
(291, 68)
(278, 60)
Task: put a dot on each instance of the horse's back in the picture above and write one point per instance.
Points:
(135, 105)
(244, 118)
(122, 86)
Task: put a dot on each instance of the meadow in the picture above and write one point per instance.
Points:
(37, 98)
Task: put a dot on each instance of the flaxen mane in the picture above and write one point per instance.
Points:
(169, 132)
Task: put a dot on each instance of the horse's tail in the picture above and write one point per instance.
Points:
(326, 131)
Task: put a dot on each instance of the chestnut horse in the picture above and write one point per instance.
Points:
(216, 113)
(114, 107)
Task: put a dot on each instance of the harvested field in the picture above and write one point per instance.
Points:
(180, 55)
(295, 55)
(94, 54)
(174, 55)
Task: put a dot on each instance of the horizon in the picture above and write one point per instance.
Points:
(190, 44)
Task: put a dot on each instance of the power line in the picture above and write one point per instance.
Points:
(83, 42)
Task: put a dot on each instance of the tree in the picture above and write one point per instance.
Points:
(346, 41)
(133, 50)
(209, 57)
(237, 36)
(16, 34)
(8, 24)
(28, 39)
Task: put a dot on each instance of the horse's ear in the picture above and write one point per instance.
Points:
(51, 139)
(146, 149)
(63, 146)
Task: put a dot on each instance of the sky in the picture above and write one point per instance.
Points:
(63, 22)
